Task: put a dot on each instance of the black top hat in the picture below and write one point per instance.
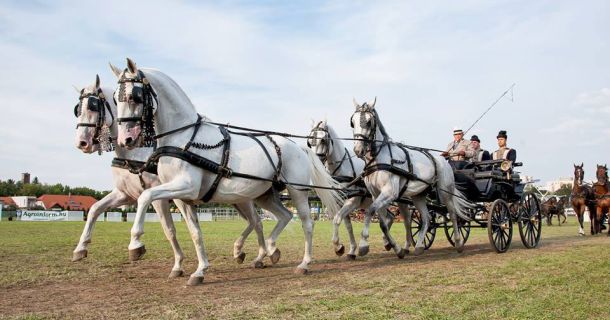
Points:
(502, 134)
(475, 138)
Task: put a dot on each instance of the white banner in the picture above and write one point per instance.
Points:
(35, 215)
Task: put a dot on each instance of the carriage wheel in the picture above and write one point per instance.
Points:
(530, 220)
(463, 227)
(499, 226)
(415, 225)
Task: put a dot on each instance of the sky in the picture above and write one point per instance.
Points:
(279, 65)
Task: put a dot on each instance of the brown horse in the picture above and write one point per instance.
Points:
(601, 190)
(582, 198)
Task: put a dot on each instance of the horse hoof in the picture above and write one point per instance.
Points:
(339, 252)
(350, 257)
(176, 274)
(301, 271)
(259, 265)
(387, 247)
(195, 281)
(401, 254)
(418, 251)
(136, 254)
(275, 257)
(363, 251)
(240, 258)
(79, 255)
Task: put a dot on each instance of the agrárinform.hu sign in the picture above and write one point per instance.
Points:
(35, 215)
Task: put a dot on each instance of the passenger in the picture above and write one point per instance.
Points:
(474, 149)
(457, 150)
(504, 152)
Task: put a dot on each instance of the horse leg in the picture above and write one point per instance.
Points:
(380, 204)
(420, 203)
(167, 223)
(363, 245)
(238, 254)
(248, 211)
(389, 222)
(113, 199)
(348, 207)
(405, 212)
(351, 254)
(175, 189)
(269, 201)
(580, 214)
(301, 201)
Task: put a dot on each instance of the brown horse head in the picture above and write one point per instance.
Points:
(579, 174)
(602, 174)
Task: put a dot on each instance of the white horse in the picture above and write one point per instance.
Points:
(395, 172)
(96, 127)
(344, 167)
(238, 168)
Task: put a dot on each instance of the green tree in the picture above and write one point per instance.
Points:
(564, 190)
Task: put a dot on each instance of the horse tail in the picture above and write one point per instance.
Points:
(332, 198)
(454, 199)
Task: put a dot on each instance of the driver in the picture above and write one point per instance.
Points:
(475, 150)
(457, 150)
(504, 152)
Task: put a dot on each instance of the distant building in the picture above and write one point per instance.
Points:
(66, 202)
(25, 178)
(553, 186)
(24, 202)
(7, 201)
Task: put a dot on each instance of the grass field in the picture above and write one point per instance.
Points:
(567, 277)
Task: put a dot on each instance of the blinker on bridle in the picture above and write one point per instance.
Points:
(369, 141)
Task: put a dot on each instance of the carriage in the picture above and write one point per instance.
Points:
(501, 201)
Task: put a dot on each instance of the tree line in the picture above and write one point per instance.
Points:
(11, 188)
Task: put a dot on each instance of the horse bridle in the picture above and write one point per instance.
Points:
(324, 141)
(96, 102)
(140, 95)
(369, 141)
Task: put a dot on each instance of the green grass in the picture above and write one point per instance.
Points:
(567, 277)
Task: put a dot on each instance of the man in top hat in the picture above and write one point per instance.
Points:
(457, 150)
(474, 148)
(504, 152)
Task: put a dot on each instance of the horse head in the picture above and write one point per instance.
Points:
(602, 173)
(94, 119)
(579, 174)
(364, 123)
(135, 107)
(320, 141)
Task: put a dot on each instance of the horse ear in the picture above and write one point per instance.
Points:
(356, 104)
(132, 66)
(115, 70)
(76, 88)
(372, 104)
(97, 81)
(582, 164)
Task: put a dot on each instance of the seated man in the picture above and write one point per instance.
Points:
(457, 150)
(474, 150)
(504, 152)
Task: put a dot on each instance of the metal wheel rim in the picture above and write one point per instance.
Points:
(415, 226)
(500, 226)
(530, 221)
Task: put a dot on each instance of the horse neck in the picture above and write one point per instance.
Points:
(381, 149)
(338, 154)
(174, 109)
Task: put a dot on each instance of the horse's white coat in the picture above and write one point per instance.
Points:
(385, 186)
(182, 180)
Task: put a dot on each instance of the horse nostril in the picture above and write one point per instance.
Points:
(83, 144)
(128, 140)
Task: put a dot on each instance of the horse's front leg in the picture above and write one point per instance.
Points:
(178, 188)
(405, 212)
(580, 214)
(348, 207)
(167, 223)
(113, 199)
(238, 255)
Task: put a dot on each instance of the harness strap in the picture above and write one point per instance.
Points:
(275, 168)
(223, 169)
(197, 125)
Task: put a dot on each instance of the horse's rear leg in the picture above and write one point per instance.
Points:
(167, 223)
(301, 201)
(270, 202)
(248, 211)
(348, 207)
